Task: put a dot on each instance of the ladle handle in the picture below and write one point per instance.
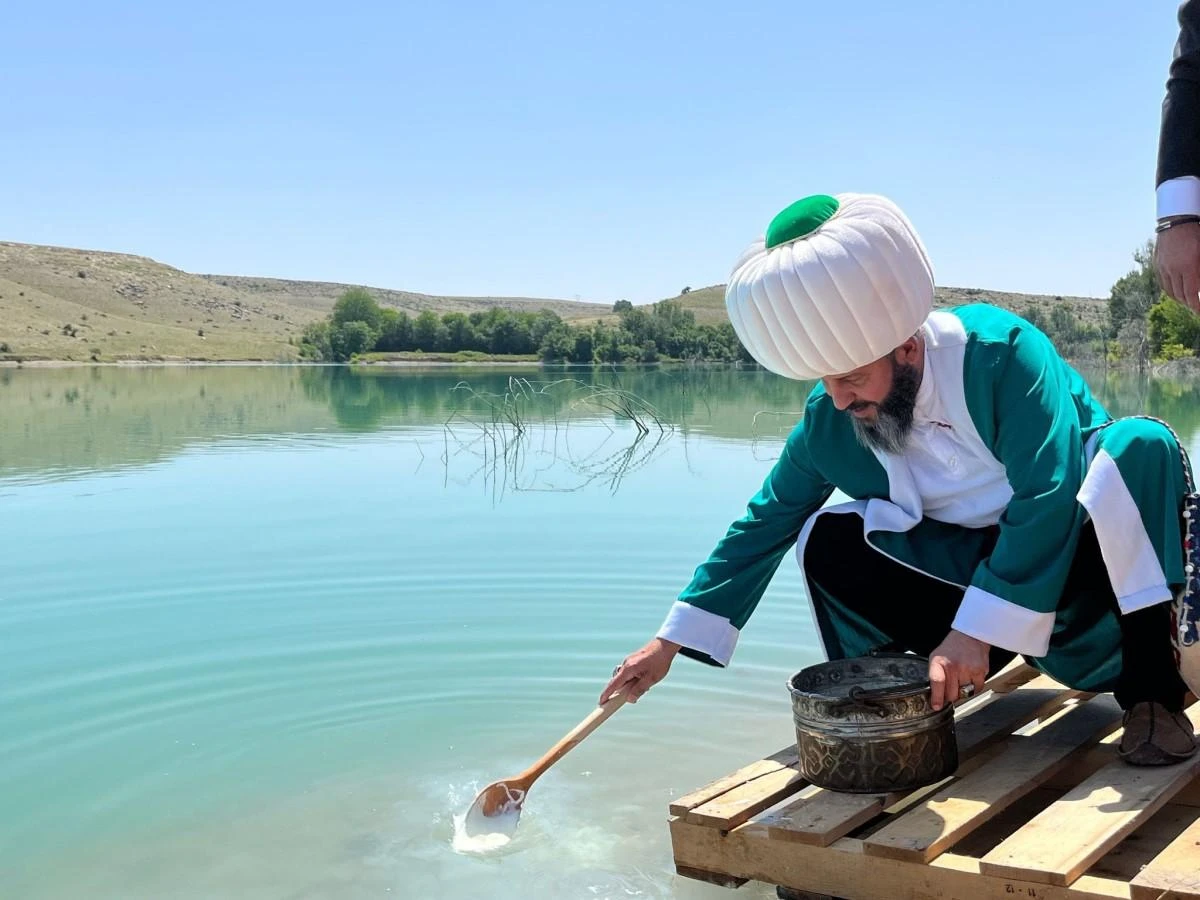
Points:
(575, 736)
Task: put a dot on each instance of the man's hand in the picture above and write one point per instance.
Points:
(1177, 259)
(641, 670)
(957, 661)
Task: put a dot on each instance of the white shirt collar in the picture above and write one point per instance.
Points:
(928, 408)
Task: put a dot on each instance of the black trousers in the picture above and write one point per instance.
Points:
(877, 589)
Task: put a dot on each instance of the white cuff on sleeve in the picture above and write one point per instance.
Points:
(1178, 197)
(698, 629)
(1158, 593)
(1001, 623)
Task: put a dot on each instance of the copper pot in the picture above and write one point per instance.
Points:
(865, 725)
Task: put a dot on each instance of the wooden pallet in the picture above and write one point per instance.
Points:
(1040, 807)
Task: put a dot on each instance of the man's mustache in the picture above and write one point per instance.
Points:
(860, 405)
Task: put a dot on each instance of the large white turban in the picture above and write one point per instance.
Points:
(835, 283)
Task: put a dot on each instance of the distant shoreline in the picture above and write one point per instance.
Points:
(208, 363)
(1184, 368)
(373, 364)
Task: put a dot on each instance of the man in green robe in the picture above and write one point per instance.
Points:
(996, 508)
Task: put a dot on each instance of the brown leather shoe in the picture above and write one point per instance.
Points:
(1155, 737)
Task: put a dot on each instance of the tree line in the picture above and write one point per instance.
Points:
(1139, 326)
(359, 325)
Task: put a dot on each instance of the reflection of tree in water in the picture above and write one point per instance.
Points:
(71, 420)
(527, 434)
(527, 437)
(738, 404)
(357, 403)
(718, 400)
(1174, 400)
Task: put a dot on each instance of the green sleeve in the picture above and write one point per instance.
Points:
(1020, 395)
(727, 587)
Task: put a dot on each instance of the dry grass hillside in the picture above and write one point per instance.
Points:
(321, 295)
(59, 303)
(66, 304)
(709, 303)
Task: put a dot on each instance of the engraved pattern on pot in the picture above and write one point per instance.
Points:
(866, 725)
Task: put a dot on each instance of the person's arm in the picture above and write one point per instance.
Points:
(725, 590)
(1178, 176)
(705, 621)
(1029, 415)
(1177, 181)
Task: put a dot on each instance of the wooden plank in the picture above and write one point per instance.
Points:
(844, 870)
(1152, 837)
(787, 757)
(1174, 873)
(1060, 843)
(1099, 757)
(977, 844)
(823, 818)
(967, 803)
(734, 807)
(1012, 676)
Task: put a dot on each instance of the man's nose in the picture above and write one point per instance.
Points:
(842, 397)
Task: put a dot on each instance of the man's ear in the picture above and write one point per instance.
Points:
(906, 353)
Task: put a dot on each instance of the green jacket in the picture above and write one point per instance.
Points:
(1004, 389)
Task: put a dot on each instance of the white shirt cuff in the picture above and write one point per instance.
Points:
(1179, 197)
(1001, 623)
(698, 629)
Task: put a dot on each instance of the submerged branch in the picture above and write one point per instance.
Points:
(526, 433)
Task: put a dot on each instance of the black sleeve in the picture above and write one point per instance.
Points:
(1179, 140)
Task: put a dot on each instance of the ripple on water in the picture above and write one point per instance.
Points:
(262, 662)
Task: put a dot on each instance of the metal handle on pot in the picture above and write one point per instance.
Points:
(858, 701)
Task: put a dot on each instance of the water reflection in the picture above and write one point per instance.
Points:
(59, 422)
(713, 399)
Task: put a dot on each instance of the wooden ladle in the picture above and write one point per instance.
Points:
(508, 795)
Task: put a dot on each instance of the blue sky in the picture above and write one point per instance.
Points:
(591, 151)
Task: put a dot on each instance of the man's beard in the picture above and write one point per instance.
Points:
(893, 422)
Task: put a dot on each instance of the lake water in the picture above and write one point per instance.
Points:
(264, 631)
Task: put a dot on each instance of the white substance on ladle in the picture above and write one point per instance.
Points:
(476, 833)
